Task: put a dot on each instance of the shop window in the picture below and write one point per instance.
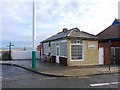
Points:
(76, 50)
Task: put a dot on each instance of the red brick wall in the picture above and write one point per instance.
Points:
(106, 55)
(63, 61)
(53, 59)
(106, 47)
(115, 43)
(40, 48)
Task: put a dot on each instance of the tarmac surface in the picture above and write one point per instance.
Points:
(53, 69)
(15, 77)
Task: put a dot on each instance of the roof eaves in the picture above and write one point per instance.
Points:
(83, 38)
(103, 30)
(53, 40)
(88, 34)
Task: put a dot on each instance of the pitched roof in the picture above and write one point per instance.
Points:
(113, 31)
(71, 33)
(116, 22)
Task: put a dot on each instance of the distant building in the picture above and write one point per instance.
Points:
(40, 48)
(110, 43)
(71, 47)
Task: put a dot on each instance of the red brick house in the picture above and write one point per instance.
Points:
(110, 43)
(40, 48)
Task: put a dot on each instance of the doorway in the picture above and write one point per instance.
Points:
(101, 56)
(57, 54)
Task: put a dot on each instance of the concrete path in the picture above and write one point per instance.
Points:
(53, 69)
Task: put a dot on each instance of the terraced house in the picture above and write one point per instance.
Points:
(71, 47)
(110, 43)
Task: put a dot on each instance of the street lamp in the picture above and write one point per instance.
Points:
(34, 36)
(10, 47)
(109, 54)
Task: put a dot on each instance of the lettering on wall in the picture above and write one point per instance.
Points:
(91, 46)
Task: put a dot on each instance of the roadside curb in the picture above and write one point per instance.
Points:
(55, 75)
(104, 73)
(52, 75)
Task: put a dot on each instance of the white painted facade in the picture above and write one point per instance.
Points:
(46, 48)
(52, 48)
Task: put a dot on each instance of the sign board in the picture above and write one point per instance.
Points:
(91, 46)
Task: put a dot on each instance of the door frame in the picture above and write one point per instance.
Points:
(57, 54)
(101, 62)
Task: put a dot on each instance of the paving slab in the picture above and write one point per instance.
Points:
(61, 70)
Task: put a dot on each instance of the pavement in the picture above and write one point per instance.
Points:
(57, 70)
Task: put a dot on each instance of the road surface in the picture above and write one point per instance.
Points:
(15, 77)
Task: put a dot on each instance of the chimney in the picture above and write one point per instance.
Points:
(65, 29)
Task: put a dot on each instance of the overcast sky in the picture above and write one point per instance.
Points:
(91, 16)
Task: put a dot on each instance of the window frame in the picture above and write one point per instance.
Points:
(82, 51)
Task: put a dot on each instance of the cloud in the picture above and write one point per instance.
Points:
(20, 12)
(79, 13)
(91, 16)
(16, 19)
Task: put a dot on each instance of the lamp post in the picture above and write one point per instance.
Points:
(109, 54)
(34, 36)
(10, 48)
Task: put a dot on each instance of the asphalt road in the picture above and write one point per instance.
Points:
(14, 77)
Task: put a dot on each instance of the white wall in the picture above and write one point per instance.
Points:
(46, 48)
(24, 54)
(0, 55)
(63, 48)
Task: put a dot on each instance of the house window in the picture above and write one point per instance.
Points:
(77, 41)
(46, 48)
(57, 51)
(76, 50)
(63, 49)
